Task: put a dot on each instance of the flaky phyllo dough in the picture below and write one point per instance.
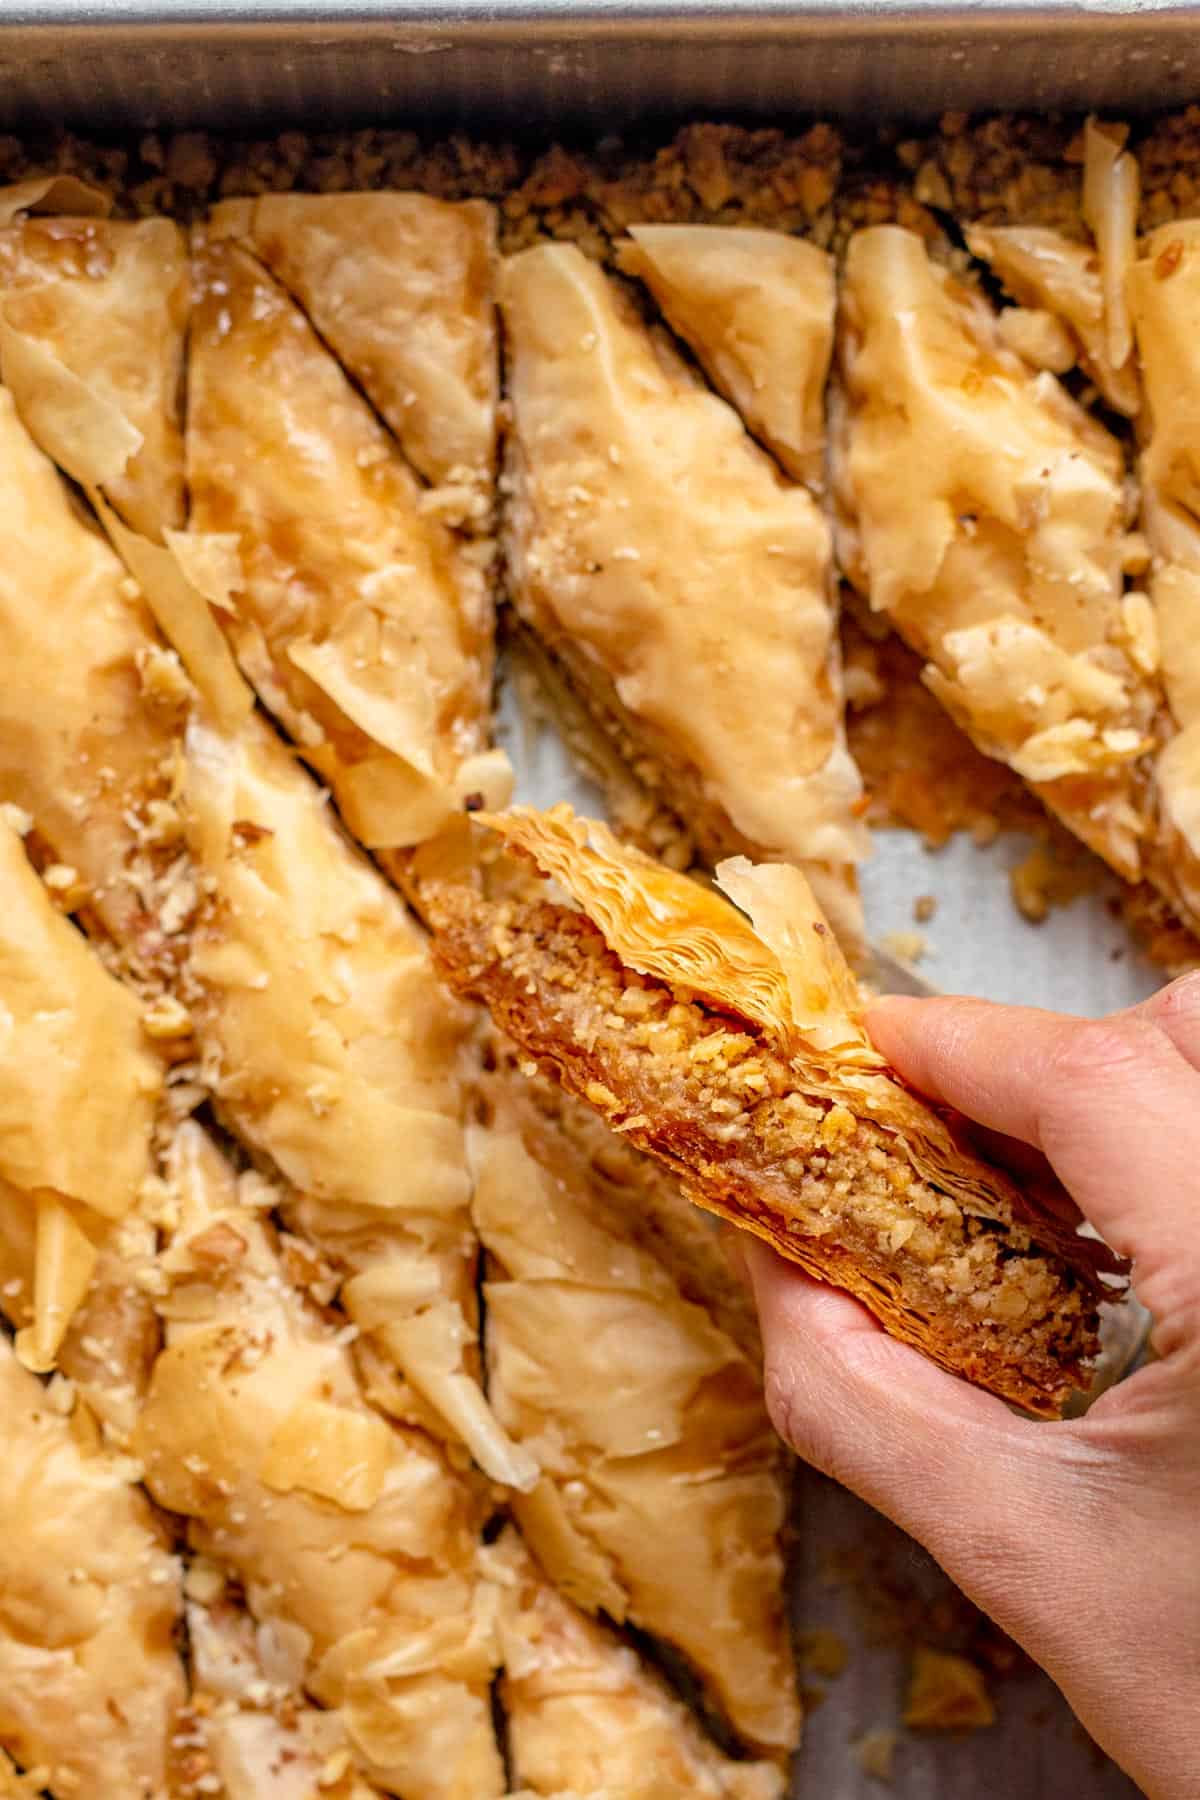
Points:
(1072, 291)
(90, 703)
(283, 965)
(680, 582)
(1164, 292)
(585, 1718)
(73, 1238)
(261, 1737)
(984, 512)
(362, 621)
(400, 288)
(751, 304)
(638, 1407)
(93, 315)
(92, 1687)
(732, 1048)
(355, 1542)
(331, 1050)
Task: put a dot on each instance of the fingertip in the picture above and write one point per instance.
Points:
(889, 1020)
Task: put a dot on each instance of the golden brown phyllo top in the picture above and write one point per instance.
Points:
(727, 1040)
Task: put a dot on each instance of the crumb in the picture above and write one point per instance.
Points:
(1054, 873)
(820, 1651)
(924, 907)
(905, 946)
(920, 769)
(1167, 943)
(875, 1751)
(947, 1693)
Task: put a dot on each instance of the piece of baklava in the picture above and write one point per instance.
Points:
(361, 620)
(93, 317)
(682, 584)
(1073, 306)
(90, 706)
(586, 1717)
(332, 1050)
(750, 303)
(73, 1238)
(734, 1051)
(984, 512)
(1164, 293)
(638, 1408)
(92, 1688)
(355, 1542)
(400, 287)
(214, 869)
(263, 1738)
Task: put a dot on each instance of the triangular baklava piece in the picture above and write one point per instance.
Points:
(639, 1408)
(79, 1091)
(93, 318)
(363, 623)
(750, 304)
(985, 513)
(332, 1051)
(356, 1543)
(263, 1738)
(586, 1717)
(734, 1051)
(682, 584)
(1164, 293)
(92, 1689)
(91, 701)
(400, 288)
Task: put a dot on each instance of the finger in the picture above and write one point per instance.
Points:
(949, 1464)
(1111, 1103)
(1024, 1163)
(1176, 1011)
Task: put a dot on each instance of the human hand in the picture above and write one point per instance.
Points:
(1081, 1538)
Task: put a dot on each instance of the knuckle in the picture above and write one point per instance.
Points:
(1178, 1003)
(1093, 1048)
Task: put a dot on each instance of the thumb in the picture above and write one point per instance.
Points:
(950, 1465)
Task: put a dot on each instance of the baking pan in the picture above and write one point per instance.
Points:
(110, 64)
(565, 69)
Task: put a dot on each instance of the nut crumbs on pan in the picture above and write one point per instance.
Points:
(947, 1693)
(875, 1751)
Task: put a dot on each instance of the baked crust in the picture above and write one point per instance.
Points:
(354, 1540)
(638, 1407)
(1164, 284)
(362, 622)
(1003, 569)
(687, 1041)
(91, 701)
(400, 288)
(93, 317)
(585, 1716)
(650, 537)
(749, 303)
(92, 1688)
(74, 1238)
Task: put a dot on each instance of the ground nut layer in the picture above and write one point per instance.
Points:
(710, 1097)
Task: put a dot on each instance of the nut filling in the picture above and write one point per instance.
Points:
(766, 1140)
